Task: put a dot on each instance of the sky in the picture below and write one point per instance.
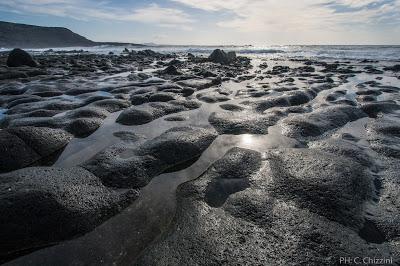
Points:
(216, 22)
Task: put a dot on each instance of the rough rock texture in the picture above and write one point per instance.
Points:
(124, 166)
(219, 56)
(41, 206)
(274, 212)
(145, 114)
(384, 138)
(23, 146)
(241, 122)
(373, 109)
(319, 121)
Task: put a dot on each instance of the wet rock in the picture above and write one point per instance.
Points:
(42, 206)
(87, 99)
(145, 114)
(87, 112)
(171, 70)
(138, 99)
(219, 56)
(14, 153)
(288, 211)
(230, 175)
(232, 107)
(291, 98)
(83, 127)
(135, 116)
(373, 109)
(52, 104)
(276, 70)
(126, 136)
(111, 105)
(200, 83)
(320, 120)
(395, 68)
(307, 69)
(33, 121)
(13, 75)
(338, 192)
(366, 98)
(175, 62)
(23, 146)
(368, 92)
(176, 118)
(39, 88)
(45, 141)
(344, 148)
(12, 90)
(206, 73)
(383, 136)
(241, 122)
(212, 97)
(19, 57)
(26, 99)
(161, 97)
(122, 166)
(79, 91)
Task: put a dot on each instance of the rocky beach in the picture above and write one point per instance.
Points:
(145, 157)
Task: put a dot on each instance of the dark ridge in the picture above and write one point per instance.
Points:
(13, 35)
(28, 36)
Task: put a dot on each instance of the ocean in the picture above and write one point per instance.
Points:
(355, 52)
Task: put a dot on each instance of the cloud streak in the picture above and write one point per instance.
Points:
(90, 10)
(288, 15)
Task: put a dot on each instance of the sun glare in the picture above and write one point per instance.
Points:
(247, 139)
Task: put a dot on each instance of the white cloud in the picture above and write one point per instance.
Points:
(294, 16)
(214, 5)
(88, 9)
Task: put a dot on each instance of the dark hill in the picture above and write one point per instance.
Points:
(29, 36)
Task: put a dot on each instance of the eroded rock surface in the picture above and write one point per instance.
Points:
(270, 210)
(127, 167)
(42, 206)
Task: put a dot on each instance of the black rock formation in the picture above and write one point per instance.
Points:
(19, 57)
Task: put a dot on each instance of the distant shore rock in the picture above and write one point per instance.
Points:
(221, 57)
(19, 57)
(395, 68)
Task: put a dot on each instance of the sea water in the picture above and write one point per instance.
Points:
(340, 52)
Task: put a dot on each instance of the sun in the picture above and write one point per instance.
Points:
(247, 139)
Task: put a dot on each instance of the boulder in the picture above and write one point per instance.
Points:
(19, 57)
(219, 56)
(42, 206)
